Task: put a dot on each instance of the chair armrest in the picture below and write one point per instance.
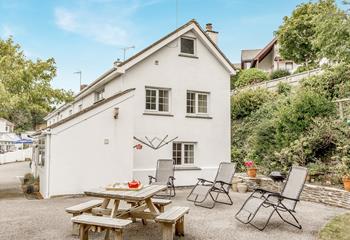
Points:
(280, 197)
(151, 178)
(222, 183)
(203, 180)
(261, 190)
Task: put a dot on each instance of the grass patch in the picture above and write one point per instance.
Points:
(338, 228)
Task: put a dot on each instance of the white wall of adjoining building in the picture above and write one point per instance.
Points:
(92, 150)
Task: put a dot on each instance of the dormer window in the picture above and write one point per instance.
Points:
(99, 95)
(187, 46)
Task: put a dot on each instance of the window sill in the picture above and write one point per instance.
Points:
(187, 168)
(199, 116)
(158, 114)
(189, 56)
(99, 101)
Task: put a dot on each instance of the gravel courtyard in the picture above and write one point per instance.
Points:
(46, 219)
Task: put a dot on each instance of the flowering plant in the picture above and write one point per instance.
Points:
(249, 164)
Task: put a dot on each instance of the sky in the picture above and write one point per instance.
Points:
(88, 35)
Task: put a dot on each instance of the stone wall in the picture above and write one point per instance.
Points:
(313, 193)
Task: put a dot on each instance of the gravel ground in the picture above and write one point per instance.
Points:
(9, 183)
(46, 219)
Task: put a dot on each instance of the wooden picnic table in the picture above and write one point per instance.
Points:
(140, 201)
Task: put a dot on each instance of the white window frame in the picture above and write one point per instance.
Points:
(183, 144)
(194, 46)
(196, 101)
(99, 95)
(157, 89)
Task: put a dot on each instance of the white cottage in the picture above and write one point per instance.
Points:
(178, 87)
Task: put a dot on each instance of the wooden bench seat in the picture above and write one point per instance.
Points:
(175, 215)
(161, 203)
(81, 208)
(84, 207)
(113, 224)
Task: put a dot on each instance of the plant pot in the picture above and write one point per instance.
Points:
(346, 182)
(251, 172)
(242, 187)
(235, 182)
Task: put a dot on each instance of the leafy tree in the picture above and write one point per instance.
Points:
(250, 76)
(26, 86)
(297, 34)
(332, 33)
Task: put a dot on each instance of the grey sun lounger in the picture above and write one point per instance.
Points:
(164, 176)
(220, 186)
(281, 203)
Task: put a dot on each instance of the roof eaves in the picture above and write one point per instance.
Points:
(90, 108)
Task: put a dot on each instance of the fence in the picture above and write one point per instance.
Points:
(292, 80)
(343, 108)
(19, 155)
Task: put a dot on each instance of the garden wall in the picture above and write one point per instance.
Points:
(313, 193)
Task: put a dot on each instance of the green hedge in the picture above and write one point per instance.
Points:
(251, 76)
(246, 102)
(279, 73)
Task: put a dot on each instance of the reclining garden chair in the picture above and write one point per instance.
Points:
(164, 176)
(221, 186)
(284, 202)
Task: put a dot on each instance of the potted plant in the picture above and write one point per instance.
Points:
(345, 170)
(344, 165)
(251, 169)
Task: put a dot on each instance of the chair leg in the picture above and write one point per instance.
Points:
(180, 227)
(198, 204)
(297, 225)
(118, 234)
(167, 229)
(266, 223)
(83, 232)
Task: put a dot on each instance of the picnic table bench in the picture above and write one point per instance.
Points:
(175, 215)
(143, 207)
(87, 221)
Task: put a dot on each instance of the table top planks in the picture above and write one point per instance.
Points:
(144, 193)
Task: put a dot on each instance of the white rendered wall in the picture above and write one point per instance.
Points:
(181, 74)
(92, 150)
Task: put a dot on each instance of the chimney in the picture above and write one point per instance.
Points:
(82, 86)
(213, 35)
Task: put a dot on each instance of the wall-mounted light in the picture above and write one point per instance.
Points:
(116, 113)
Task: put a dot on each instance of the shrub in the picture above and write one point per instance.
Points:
(279, 73)
(250, 76)
(234, 79)
(333, 83)
(246, 102)
(283, 88)
(294, 118)
(303, 68)
(316, 147)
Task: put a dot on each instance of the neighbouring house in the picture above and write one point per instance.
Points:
(267, 59)
(174, 93)
(7, 136)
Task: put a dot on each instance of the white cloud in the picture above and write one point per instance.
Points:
(105, 21)
(65, 19)
(6, 31)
